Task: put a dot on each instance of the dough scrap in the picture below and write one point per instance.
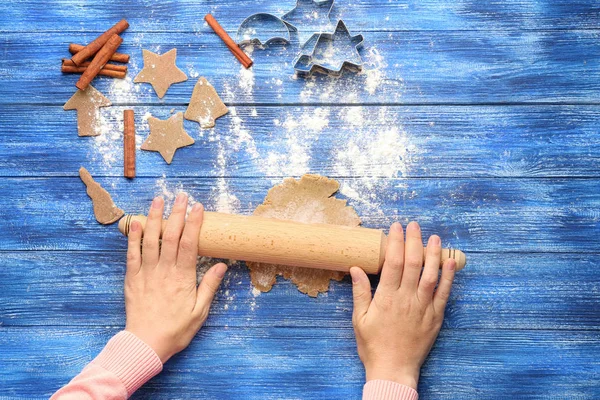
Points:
(105, 210)
(87, 103)
(308, 200)
(205, 105)
(166, 136)
(160, 71)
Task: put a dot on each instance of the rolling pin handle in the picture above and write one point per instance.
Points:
(125, 224)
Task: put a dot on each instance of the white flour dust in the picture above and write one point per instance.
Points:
(371, 143)
(374, 70)
(108, 146)
(364, 146)
(301, 132)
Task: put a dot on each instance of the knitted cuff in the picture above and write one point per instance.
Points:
(130, 359)
(387, 390)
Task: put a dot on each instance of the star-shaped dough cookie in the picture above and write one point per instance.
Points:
(87, 103)
(160, 71)
(167, 136)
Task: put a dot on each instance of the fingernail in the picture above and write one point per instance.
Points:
(157, 202)
(451, 264)
(197, 208)
(180, 199)
(396, 227)
(135, 225)
(221, 269)
(356, 277)
(413, 225)
(435, 240)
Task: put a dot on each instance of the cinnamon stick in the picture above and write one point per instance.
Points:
(233, 47)
(98, 62)
(117, 57)
(113, 67)
(71, 69)
(94, 47)
(128, 144)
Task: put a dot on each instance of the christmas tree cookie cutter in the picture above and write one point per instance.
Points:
(262, 29)
(330, 53)
(308, 17)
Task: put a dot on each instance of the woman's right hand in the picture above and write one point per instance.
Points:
(396, 329)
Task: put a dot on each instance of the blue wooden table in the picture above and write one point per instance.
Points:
(479, 119)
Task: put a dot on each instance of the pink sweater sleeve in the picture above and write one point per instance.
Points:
(388, 390)
(125, 364)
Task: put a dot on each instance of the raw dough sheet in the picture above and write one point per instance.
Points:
(308, 200)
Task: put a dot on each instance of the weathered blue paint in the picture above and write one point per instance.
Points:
(501, 101)
(508, 141)
(255, 363)
(497, 291)
(437, 67)
(365, 15)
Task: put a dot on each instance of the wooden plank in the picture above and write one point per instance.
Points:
(495, 291)
(316, 363)
(364, 15)
(404, 68)
(517, 215)
(519, 141)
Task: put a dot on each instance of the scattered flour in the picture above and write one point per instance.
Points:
(239, 135)
(377, 149)
(373, 69)
(301, 134)
(246, 76)
(224, 200)
(371, 143)
(382, 152)
(108, 146)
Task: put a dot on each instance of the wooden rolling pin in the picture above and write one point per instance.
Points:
(250, 238)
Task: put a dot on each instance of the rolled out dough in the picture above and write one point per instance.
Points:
(309, 200)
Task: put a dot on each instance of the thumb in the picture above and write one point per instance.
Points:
(208, 287)
(361, 292)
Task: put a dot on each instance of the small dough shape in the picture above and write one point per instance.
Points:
(308, 200)
(166, 136)
(105, 210)
(205, 105)
(87, 103)
(160, 71)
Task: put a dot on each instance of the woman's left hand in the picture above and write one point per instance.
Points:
(164, 307)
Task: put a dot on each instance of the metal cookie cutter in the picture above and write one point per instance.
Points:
(329, 53)
(308, 17)
(262, 29)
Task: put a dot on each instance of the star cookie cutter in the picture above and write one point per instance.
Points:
(330, 53)
(309, 16)
(262, 29)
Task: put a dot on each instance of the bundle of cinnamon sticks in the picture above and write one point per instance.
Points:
(93, 59)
